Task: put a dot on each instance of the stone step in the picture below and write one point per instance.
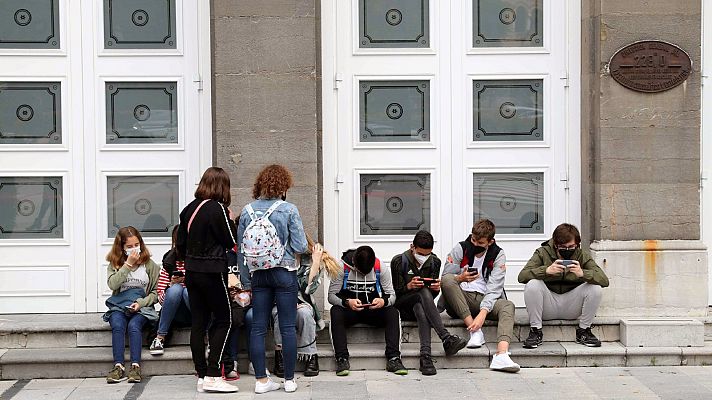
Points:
(95, 362)
(89, 330)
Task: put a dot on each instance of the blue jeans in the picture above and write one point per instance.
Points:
(120, 325)
(175, 296)
(232, 341)
(274, 285)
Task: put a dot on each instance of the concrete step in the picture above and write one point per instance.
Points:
(96, 362)
(35, 331)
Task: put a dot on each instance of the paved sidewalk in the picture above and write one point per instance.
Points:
(534, 383)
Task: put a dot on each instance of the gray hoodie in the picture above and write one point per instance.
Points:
(359, 285)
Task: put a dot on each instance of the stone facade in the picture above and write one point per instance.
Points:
(641, 164)
(265, 96)
(641, 152)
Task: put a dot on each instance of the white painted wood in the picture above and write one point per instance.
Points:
(451, 156)
(69, 274)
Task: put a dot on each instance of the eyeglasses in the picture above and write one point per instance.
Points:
(574, 247)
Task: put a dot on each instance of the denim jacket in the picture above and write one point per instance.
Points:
(288, 224)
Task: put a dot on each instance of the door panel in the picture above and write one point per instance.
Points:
(469, 123)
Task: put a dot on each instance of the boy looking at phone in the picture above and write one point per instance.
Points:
(562, 282)
(363, 293)
(473, 284)
(416, 274)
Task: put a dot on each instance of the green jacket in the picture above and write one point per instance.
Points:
(117, 277)
(545, 255)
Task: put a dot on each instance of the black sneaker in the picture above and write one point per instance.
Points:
(452, 344)
(536, 337)
(426, 365)
(587, 338)
(342, 366)
(395, 365)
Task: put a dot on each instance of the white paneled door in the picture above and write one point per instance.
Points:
(444, 112)
(102, 125)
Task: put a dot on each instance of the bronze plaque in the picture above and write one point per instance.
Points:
(650, 66)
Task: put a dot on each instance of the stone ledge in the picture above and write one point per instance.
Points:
(647, 245)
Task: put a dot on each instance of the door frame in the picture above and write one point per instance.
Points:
(706, 140)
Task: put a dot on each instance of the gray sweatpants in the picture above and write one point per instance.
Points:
(306, 330)
(580, 303)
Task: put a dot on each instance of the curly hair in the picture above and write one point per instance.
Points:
(117, 257)
(272, 182)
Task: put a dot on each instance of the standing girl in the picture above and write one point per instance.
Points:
(273, 280)
(132, 277)
(204, 235)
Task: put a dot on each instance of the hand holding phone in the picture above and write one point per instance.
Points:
(428, 281)
(566, 263)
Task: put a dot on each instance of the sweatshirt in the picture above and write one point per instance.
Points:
(360, 284)
(211, 234)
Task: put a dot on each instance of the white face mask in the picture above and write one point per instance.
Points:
(420, 258)
(136, 250)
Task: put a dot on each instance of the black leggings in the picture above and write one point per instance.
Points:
(207, 293)
(342, 318)
(420, 306)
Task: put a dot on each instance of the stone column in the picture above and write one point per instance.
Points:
(641, 163)
(265, 104)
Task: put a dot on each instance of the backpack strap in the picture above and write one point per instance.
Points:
(190, 222)
(346, 275)
(405, 265)
(272, 208)
(377, 268)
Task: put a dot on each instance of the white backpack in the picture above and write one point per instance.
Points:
(260, 243)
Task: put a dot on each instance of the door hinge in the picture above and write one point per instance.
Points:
(703, 179)
(564, 177)
(198, 81)
(339, 182)
(338, 78)
(565, 78)
(704, 79)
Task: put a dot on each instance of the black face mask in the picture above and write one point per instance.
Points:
(479, 249)
(284, 197)
(566, 254)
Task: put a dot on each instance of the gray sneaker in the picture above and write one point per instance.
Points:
(156, 348)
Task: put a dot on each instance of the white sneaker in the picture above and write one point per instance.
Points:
(200, 385)
(290, 386)
(267, 386)
(477, 339)
(217, 384)
(251, 370)
(502, 362)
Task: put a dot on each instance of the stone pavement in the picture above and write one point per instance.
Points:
(531, 383)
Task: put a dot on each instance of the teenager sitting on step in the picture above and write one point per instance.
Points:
(416, 280)
(363, 293)
(473, 284)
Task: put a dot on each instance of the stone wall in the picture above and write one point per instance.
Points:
(265, 96)
(640, 152)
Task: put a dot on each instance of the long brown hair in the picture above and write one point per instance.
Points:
(214, 185)
(272, 182)
(117, 257)
(329, 262)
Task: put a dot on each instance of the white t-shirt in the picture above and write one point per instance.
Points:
(136, 279)
(478, 285)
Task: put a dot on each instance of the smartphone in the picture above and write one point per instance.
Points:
(427, 281)
(566, 263)
(472, 270)
(367, 305)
